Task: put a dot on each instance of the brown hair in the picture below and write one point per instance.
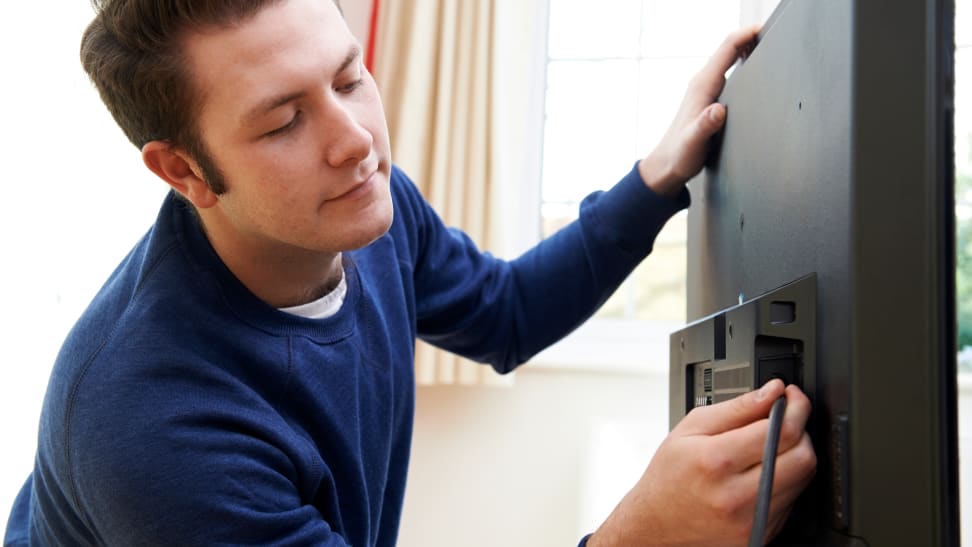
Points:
(132, 51)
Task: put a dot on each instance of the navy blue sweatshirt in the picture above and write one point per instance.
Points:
(182, 410)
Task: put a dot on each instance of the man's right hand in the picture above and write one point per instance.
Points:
(700, 487)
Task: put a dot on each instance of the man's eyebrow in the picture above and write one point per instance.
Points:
(275, 102)
(351, 57)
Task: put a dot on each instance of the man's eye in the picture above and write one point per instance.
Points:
(348, 88)
(285, 128)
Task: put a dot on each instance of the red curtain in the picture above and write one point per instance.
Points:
(372, 33)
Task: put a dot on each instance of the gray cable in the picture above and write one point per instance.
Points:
(766, 477)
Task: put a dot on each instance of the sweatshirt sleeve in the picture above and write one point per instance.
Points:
(503, 313)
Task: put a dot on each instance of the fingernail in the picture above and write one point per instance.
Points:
(715, 114)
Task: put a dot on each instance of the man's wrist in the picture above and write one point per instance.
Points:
(605, 536)
(596, 540)
(659, 176)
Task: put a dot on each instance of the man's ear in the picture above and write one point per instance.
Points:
(173, 165)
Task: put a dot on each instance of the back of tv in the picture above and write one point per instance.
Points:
(836, 164)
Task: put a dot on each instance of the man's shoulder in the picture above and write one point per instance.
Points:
(151, 318)
(144, 292)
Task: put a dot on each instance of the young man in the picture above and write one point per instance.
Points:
(245, 375)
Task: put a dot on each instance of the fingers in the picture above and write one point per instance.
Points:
(740, 444)
(737, 45)
(682, 150)
(794, 470)
(795, 419)
(732, 414)
(745, 444)
(708, 469)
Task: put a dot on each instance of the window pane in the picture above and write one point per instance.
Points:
(659, 282)
(963, 23)
(963, 201)
(963, 107)
(590, 130)
(963, 120)
(686, 27)
(581, 29)
(662, 86)
(612, 91)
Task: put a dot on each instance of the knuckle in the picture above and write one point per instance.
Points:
(735, 522)
(803, 460)
(807, 456)
(698, 414)
(714, 463)
(726, 505)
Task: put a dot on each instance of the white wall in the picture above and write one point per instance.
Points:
(75, 198)
(540, 463)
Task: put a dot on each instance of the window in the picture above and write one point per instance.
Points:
(615, 75)
(963, 179)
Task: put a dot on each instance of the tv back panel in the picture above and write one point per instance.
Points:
(836, 162)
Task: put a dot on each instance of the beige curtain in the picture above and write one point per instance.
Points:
(435, 63)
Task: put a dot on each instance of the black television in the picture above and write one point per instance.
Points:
(821, 249)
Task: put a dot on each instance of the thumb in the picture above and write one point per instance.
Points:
(696, 134)
(734, 413)
(710, 121)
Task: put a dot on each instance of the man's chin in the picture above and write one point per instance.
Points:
(375, 232)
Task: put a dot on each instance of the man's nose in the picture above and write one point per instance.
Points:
(347, 140)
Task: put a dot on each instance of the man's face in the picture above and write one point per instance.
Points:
(295, 124)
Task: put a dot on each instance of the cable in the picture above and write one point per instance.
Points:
(766, 477)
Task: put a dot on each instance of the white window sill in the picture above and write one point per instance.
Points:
(612, 345)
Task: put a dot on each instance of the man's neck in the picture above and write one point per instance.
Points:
(278, 275)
